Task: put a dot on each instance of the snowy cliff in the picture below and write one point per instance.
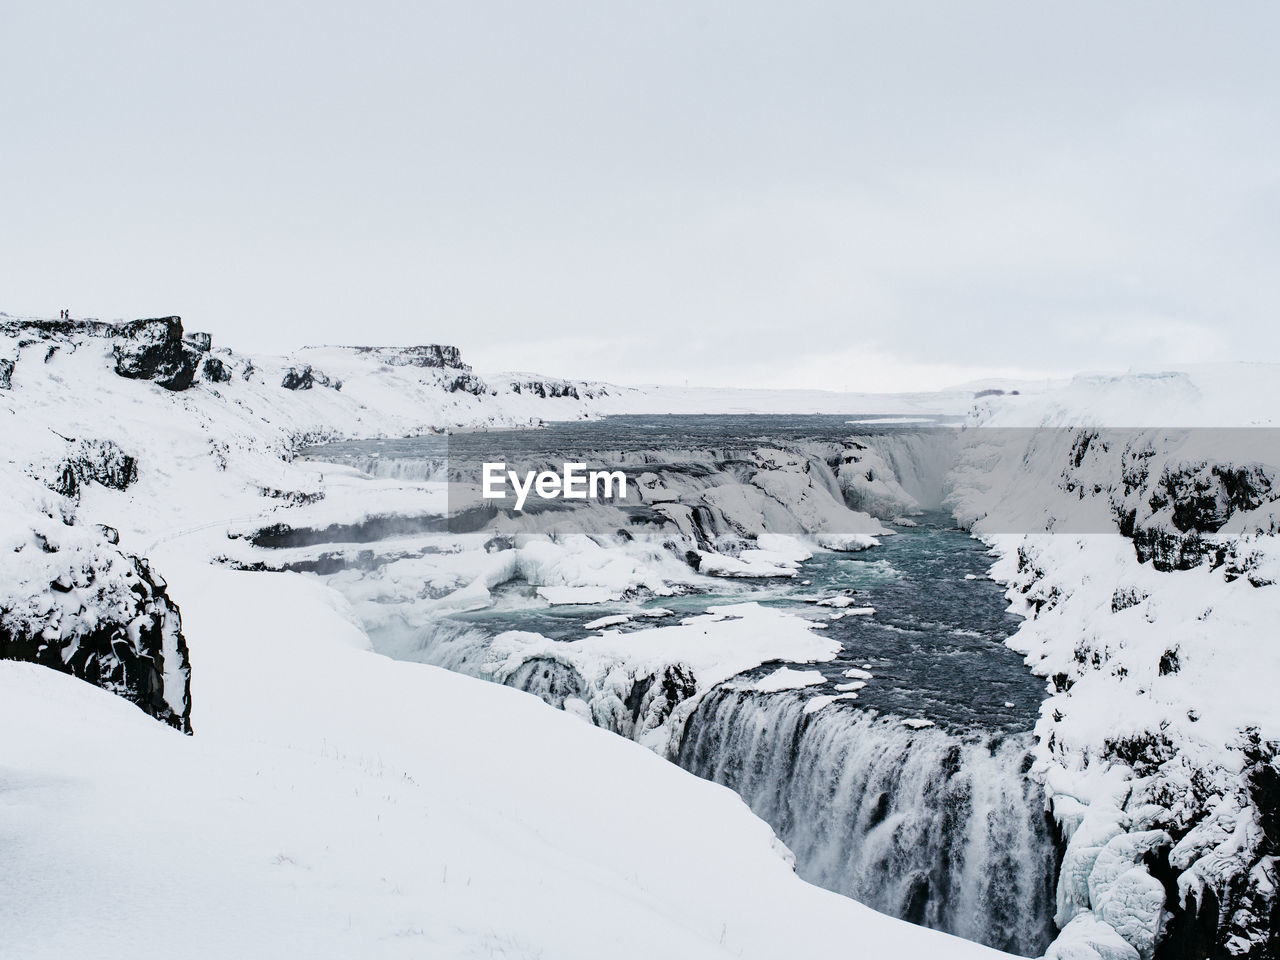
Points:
(1151, 613)
(106, 418)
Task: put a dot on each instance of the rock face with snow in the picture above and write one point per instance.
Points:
(456, 375)
(73, 602)
(152, 349)
(93, 467)
(304, 378)
(215, 371)
(155, 350)
(1150, 613)
(98, 461)
(432, 355)
(545, 388)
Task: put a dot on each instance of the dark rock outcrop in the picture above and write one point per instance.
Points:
(298, 378)
(305, 377)
(215, 371)
(550, 388)
(430, 355)
(6, 374)
(112, 625)
(44, 329)
(466, 383)
(154, 350)
(97, 461)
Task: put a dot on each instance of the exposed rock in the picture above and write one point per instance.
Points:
(298, 378)
(44, 329)
(215, 371)
(466, 383)
(201, 341)
(154, 350)
(550, 388)
(6, 374)
(99, 461)
(305, 377)
(424, 355)
(71, 601)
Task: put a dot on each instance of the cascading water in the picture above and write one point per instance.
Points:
(939, 829)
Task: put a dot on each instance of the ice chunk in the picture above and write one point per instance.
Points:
(1121, 854)
(1134, 906)
(847, 542)
(749, 563)
(608, 622)
(1088, 938)
(786, 678)
(565, 595)
(1100, 824)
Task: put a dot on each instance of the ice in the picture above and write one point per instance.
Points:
(612, 621)
(1088, 938)
(788, 678)
(846, 543)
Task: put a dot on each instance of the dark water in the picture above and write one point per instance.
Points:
(631, 432)
(935, 645)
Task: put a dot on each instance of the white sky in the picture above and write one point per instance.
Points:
(864, 195)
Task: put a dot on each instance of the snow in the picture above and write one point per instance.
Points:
(840, 601)
(917, 723)
(814, 704)
(330, 803)
(750, 563)
(788, 678)
(299, 728)
(846, 542)
(613, 621)
(1157, 675)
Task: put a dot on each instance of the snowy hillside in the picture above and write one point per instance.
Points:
(1159, 742)
(329, 802)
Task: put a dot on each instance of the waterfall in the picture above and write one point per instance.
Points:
(413, 469)
(920, 460)
(938, 829)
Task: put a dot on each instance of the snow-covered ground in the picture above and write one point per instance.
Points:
(331, 802)
(334, 802)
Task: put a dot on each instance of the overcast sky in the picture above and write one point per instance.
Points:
(844, 194)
